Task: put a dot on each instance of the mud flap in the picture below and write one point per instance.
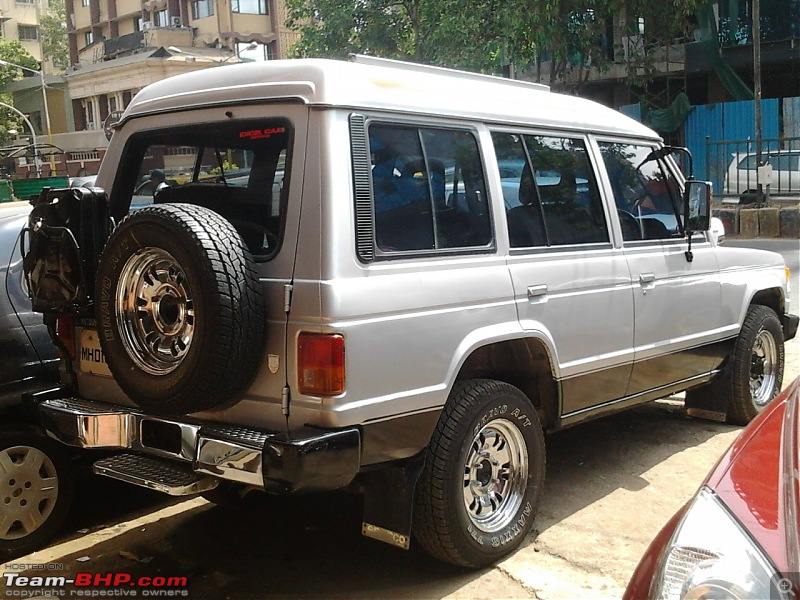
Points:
(389, 502)
(710, 401)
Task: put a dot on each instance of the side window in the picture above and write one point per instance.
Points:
(748, 163)
(646, 193)
(550, 192)
(236, 170)
(428, 189)
(785, 162)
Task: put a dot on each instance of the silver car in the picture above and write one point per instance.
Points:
(36, 475)
(336, 292)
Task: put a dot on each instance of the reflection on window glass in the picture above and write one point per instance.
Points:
(236, 170)
(428, 189)
(646, 194)
(550, 191)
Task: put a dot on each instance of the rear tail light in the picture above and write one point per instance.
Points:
(320, 364)
(65, 333)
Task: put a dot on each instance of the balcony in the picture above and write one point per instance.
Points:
(134, 42)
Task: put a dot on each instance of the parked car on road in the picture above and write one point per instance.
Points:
(741, 176)
(36, 479)
(85, 181)
(738, 537)
(359, 305)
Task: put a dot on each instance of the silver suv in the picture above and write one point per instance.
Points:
(386, 277)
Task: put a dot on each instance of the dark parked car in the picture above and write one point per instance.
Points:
(738, 537)
(36, 477)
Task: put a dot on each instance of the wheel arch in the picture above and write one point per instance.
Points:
(772, 298)
(525, 363)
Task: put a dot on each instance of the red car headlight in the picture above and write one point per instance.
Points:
(710, 556)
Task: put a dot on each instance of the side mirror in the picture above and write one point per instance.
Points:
(697, 206)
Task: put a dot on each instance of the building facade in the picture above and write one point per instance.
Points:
(19, 21)
(117, 47)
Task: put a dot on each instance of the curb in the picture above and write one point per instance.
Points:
(765, 222)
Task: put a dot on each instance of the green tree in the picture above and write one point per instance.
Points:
(490, 35)
(53, 26)
(13, 52)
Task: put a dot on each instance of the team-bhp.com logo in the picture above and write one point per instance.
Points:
(94, 585)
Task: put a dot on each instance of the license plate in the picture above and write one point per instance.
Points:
(91, 355)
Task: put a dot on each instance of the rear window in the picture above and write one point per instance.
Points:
(238, 170)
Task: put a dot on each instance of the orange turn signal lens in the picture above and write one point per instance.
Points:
(320, 364)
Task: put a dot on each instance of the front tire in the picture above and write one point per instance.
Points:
(37, 484)
(480, 486)
(757, 365)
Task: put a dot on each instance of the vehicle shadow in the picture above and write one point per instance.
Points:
(589, 461)
(311, 546)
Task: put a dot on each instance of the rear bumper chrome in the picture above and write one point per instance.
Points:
(304, 460)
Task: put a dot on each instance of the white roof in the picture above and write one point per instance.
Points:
(383, 85)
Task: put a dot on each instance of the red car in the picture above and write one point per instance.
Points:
(738, 537)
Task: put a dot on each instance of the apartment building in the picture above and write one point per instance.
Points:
(19, 21)
(117, 47)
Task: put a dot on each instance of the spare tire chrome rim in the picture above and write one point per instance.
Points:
(763, 368)
(155, 311)
(495, 476)
(28, 491)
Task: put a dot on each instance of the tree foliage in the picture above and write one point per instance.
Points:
(53, 26)
(567, 36)
(13, 52)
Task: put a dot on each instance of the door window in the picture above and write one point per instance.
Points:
(646, 193)
(550, 191)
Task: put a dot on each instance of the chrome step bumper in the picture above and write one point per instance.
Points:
(309, 459)
(157, 474)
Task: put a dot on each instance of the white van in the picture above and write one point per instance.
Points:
(741, 176)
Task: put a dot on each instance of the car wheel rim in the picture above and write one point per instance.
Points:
(495, 476)
(155, 311)
(763, 368)
(28, 491)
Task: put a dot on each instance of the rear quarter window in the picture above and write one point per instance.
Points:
(428, 190)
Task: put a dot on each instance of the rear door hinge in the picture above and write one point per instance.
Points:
(285, 401)
(287, 297)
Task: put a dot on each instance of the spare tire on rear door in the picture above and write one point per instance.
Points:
(180, 310)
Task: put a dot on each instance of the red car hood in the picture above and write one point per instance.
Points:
(757, 478)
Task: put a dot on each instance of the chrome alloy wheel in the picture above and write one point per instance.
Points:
(763, 368)
(495, 475)
(28, 491)
(155, 311)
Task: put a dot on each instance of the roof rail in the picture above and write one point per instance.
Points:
(420, 68)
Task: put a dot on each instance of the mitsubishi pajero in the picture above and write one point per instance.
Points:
(389, 278)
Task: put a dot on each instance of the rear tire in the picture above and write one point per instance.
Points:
(480, 486)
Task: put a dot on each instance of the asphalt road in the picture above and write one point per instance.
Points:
(611, 485)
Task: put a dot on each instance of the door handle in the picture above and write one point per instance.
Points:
(647, 281)
(536, 291)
